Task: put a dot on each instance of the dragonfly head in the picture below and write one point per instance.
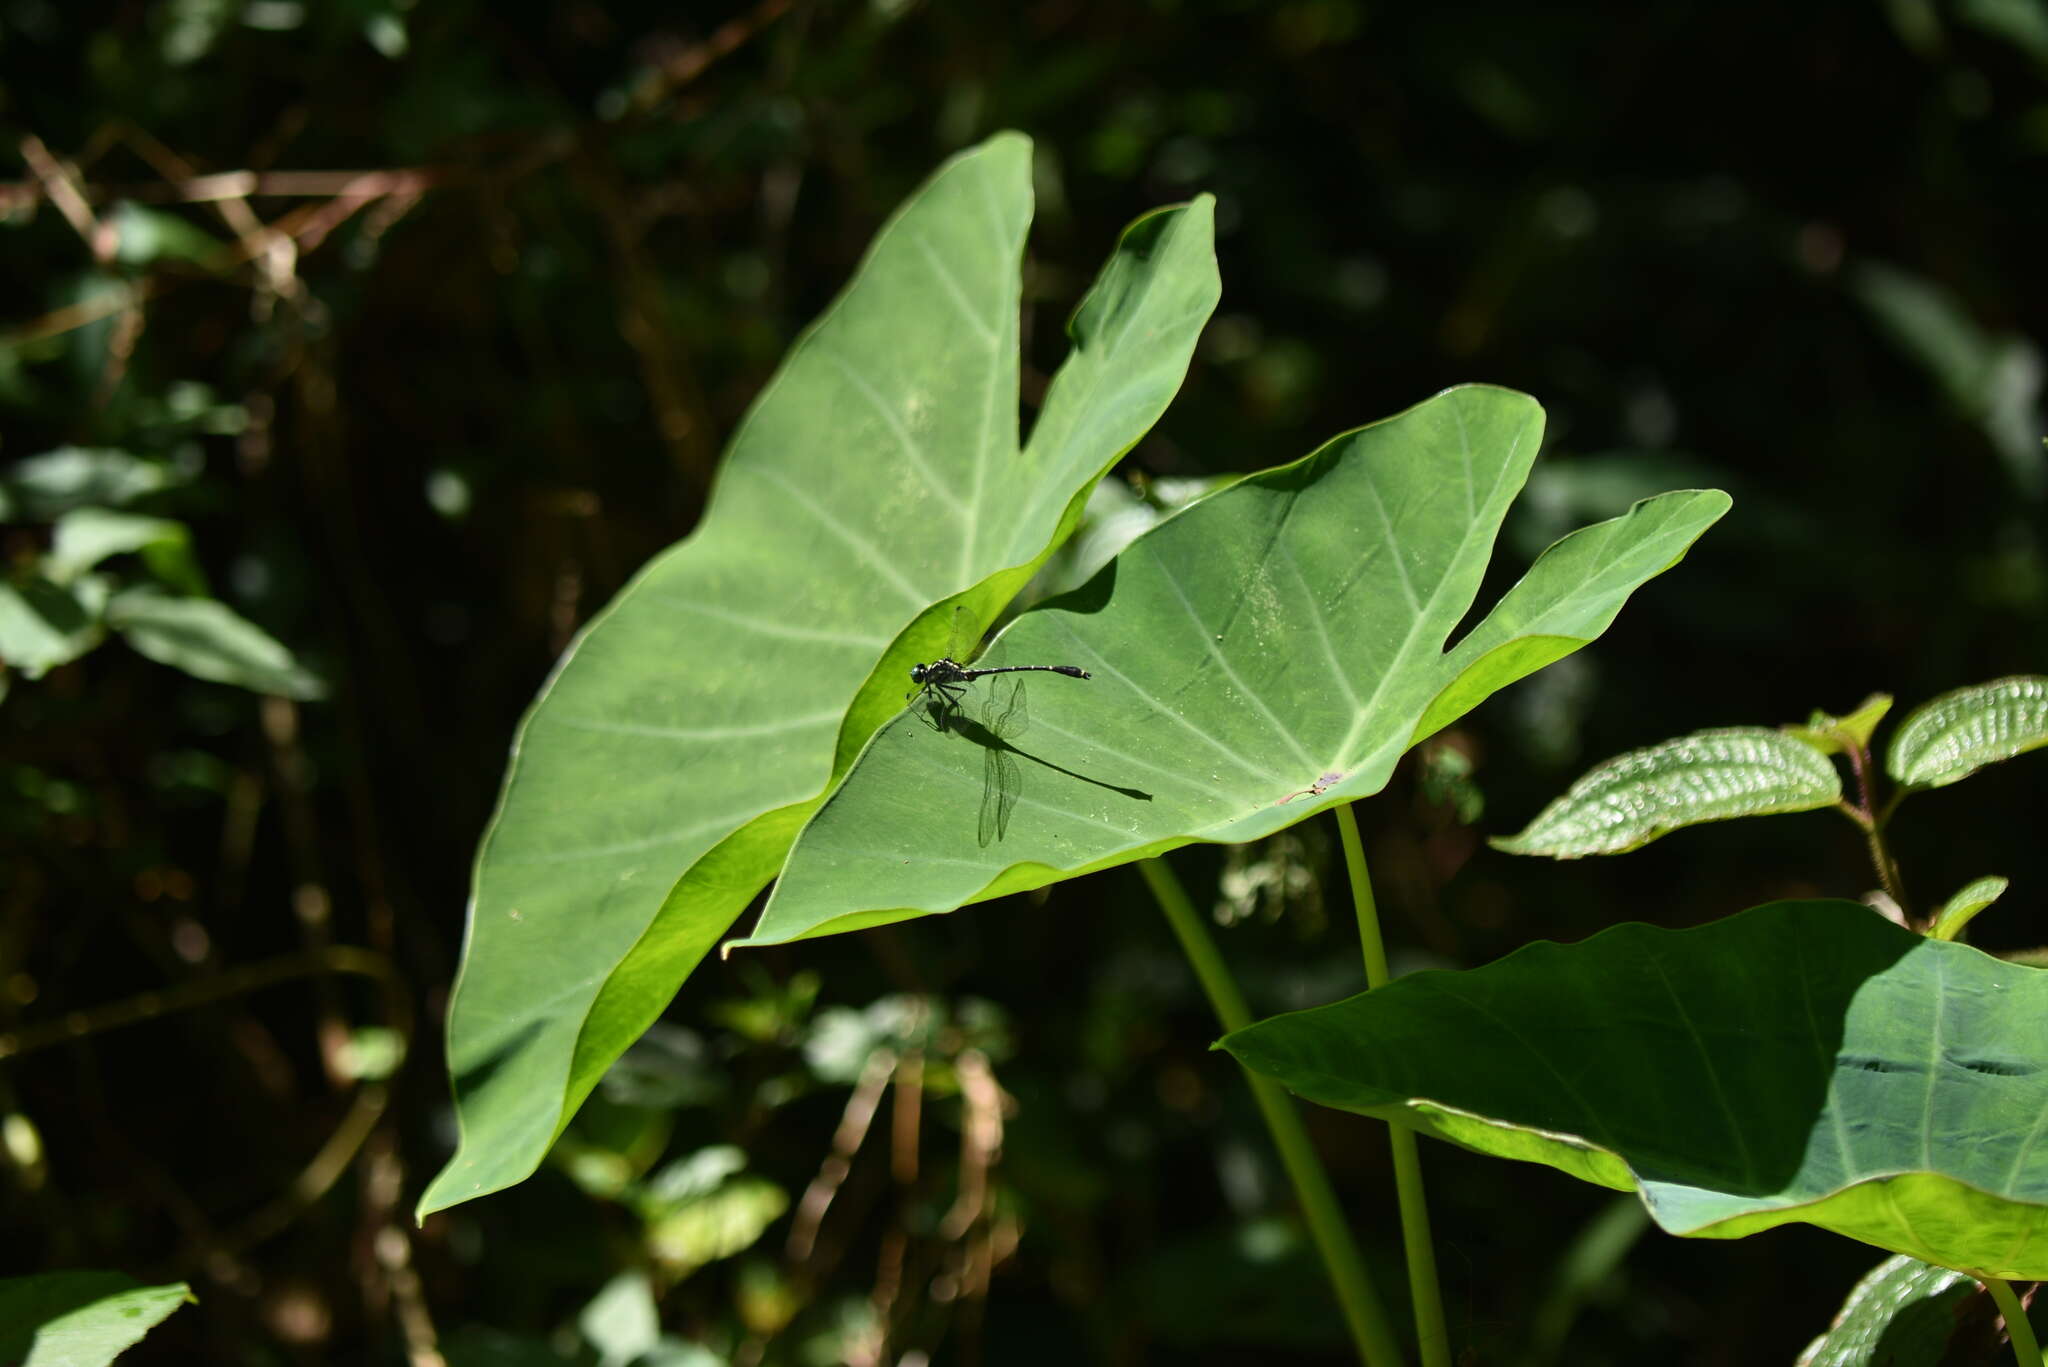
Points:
(919, 673)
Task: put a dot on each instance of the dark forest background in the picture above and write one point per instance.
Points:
(465, 355)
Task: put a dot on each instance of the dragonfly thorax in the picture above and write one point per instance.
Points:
(937, 672)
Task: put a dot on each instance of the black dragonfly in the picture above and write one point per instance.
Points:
(1006, 716)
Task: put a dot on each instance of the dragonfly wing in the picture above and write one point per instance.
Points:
(1009, 717)
(999, 783)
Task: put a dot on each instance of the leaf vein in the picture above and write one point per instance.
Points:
(867, 553)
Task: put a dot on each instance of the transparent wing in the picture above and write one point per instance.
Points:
(1000, 780)
(1008, 716)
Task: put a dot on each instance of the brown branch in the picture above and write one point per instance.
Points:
(56, 181)
(692, 61)
(305, 228)
(854, 1124)
(212, 187)
(981, 1141)
(259, 242)
(83, 314)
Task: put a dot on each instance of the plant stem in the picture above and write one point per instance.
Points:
(1866, 815)
(2017, 1326)
(1431, 1334)
(1363, 1312)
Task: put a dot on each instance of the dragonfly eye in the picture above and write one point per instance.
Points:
(917, 673)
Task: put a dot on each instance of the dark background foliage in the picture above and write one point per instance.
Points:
(1790, 251)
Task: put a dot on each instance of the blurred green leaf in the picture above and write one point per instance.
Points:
(1959, 910)
(1993, 380)
(670, 1352)
(621, 1322)
(1587, 1270)
(1953, 736)
(84, 537)
(40, 488)
(699, 1174)
(665, 1069)
(840, 1039)
(374, 1053)
(1269, 652)
(772, 1011)
(1444, 776)
(1624, 803)
(726, 1220)
(386, 33)
(80, 1319)
(597, 1172)
(145, 236)
(43, 625)
(208, 640)
(1801, 1061)
(476, 1346)
(2023, 23)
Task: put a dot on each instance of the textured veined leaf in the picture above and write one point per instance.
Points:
(1802, 1061)
(1958, 733)
(1628, 801)
(1904, 1313)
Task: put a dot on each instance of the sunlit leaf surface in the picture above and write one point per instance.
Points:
(1268, 652)
(877, 481)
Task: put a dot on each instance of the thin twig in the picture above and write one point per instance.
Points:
(56, 182)
(981, 1141)
(854, 1123)
(905, 1117)
(194, 187)
(383, 1183)
(690, 62)
(1865, 813)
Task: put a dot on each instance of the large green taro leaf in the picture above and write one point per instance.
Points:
(1268, 652)
(1802, 1061)
(691, 728)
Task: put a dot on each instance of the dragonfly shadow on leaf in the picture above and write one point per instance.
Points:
(1004, 719)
